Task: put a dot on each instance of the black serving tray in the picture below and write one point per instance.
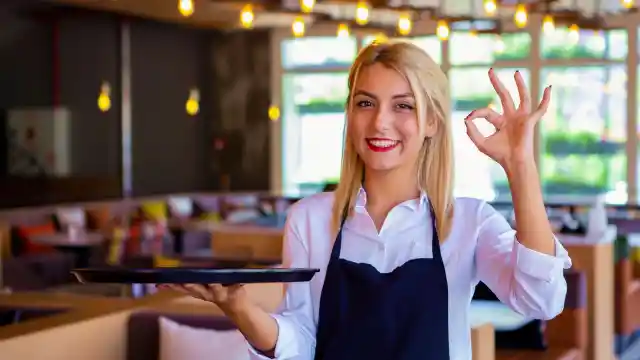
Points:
(192, 275)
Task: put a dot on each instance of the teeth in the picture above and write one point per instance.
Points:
(382, 143)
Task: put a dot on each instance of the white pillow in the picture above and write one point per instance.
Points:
(181, 342)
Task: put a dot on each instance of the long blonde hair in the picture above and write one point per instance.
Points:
(430, 88)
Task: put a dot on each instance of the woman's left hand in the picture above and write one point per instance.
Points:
(512, 143)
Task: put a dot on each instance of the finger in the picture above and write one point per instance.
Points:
(505, 98)
(200, 291)
(543, 106)
(475, 135)
(523, 93)
(488, 114)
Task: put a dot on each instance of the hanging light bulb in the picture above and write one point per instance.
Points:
(247, 17)
(104, 98)
(298, 27)
(193, 102)
(343, 30)
(442, 30)
(185, 7)
(627, 4)
(362, 13)
(574, 33)
(498, 45)
(520, 17)
(307, 5)
(548, 24)
(404, 25)
(274, 113)
(380, 38)
(490, 7)
(473, 33)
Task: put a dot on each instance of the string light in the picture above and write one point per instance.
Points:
(404, 25)
(247, 17)
(521, 17)
(548, 24)
(185, 7)
(627, 4)
(307, 5)
(574, 33)
(490, 7)
(298, 27)
(274, 113)
(104, 98)
(362, 13)
(442, 30)
(343, 30)
(193, 102)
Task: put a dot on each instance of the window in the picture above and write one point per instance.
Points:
(476, 175)
(563, 43)
(584, 132)
(430, 44)
(313, 124)
(318, 52)
(468, 48)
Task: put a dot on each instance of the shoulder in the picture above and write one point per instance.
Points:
(468, 207)
(314, 209)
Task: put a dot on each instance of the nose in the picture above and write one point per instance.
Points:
(382, 119)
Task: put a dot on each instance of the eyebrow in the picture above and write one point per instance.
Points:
(397, 96)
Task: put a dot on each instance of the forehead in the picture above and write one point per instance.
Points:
(381, 80)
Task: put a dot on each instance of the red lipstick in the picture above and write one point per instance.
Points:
(382, 144)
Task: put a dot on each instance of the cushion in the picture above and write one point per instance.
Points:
(154, 210)
(181, 342)
(26, 245)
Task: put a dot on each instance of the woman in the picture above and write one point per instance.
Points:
(399, 256)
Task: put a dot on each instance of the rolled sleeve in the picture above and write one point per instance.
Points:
(541, 266)
(286, 346)
(529, 282)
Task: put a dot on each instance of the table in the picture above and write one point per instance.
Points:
(497, 314)
(77, 243)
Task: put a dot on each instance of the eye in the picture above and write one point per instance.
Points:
(405, 106)
(364, 103)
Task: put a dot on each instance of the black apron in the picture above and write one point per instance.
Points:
(401, 315)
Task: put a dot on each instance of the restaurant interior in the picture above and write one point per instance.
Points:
(177, 133)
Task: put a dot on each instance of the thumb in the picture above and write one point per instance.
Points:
(474, 134)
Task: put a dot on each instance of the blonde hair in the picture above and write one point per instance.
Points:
(430, 88)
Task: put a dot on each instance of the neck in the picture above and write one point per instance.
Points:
(390, 188)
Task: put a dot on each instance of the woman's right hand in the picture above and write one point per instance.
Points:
(227, 298)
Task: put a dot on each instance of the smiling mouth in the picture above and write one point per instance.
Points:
(382, 145)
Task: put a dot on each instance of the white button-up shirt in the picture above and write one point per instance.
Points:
(481, 247)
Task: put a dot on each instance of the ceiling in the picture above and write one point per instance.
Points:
(225, 14)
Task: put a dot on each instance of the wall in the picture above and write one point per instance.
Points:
(44, 60)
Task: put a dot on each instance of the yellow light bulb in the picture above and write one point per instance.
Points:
(274, 113)
(548, 24)
(247, 17)
(574, 33)
(104, 98)
(380, 38)
(343, 30)
(185, 7)
(521, 17)
(307, 5)
(627, 4)
(473, 33)
(298, 27)
(442, 30)
(362, 13)
(192, 105)
(490, 7)
(404, 25)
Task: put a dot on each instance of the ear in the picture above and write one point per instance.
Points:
(431, 128)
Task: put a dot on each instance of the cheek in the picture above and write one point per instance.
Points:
(409, 129)
(357, 124)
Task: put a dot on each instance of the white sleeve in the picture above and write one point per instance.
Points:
(529, 282)
(296, 327)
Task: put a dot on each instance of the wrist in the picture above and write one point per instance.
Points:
(525, 169)
(235, 307)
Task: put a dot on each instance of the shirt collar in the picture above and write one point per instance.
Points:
(413, 204)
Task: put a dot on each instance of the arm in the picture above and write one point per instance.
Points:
(289, 334)
(528, 281)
